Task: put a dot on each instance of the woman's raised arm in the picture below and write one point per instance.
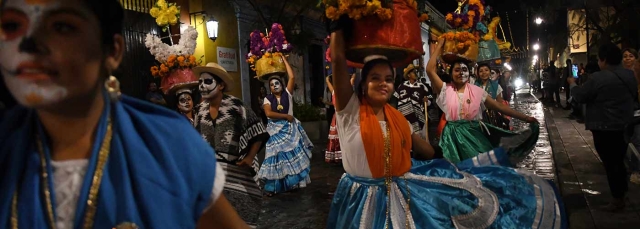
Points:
(341, 79)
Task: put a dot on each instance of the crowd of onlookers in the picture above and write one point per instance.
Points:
(604, 96)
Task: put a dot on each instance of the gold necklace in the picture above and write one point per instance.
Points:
(389, 178)
(92, 203)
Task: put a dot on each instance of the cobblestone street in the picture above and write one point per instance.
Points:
(309, 207)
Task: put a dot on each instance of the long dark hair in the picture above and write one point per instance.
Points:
(366, 69)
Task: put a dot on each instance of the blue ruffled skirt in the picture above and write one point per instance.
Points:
(288, 157)
(438, 194)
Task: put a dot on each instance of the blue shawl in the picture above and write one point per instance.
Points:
(159, 173)
(492, 87)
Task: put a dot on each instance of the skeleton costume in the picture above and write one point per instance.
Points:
(231, 134)
(384, 188)
(288, 155)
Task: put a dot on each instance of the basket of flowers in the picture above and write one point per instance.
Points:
(381, 27)
(265, 56)
(462, 41)
(175, 61)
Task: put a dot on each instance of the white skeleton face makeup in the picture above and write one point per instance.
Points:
(185, 102)
(464, 71)
(276, 86)
(208, 86)
(494, 75)
(29, 80)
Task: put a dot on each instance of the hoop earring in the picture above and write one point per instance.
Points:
(113, 88)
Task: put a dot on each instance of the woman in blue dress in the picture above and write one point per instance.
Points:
(287, 159)
(75, 153)
(384, 188)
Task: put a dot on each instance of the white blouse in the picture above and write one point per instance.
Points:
(67, 182)
(442, 103)
(354, 158)
(266, 101)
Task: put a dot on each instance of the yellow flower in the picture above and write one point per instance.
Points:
(173, 10)
(162, 4)
(154, 12)
(173, 20)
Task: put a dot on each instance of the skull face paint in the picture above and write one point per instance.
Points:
(185, 103)
(29, 79)
(494, 75)
(208, 86)
(276, 86)
(464, 72)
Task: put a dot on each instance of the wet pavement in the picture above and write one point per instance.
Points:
(309, 207)
(582, 178)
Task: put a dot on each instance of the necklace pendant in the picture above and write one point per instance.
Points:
(280, 107)
(468, 101)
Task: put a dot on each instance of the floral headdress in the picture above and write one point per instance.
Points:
(468, 28)
(275, 44)
(177, 56)
(362, 8)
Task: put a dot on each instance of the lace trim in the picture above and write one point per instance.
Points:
(369, 209)
(488, 206)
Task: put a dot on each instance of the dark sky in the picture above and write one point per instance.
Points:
(512, 8)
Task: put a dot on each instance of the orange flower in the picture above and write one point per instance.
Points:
(332, 13)
(164, 68)
(457, 21)
(192, 59)
(498, 61)
(449, 17)
(460, 46)
(171, 58)
(468, 43)
(424, 17)
(181, 59)
(154, 68)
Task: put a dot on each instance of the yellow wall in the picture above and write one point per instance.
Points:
(224, 13)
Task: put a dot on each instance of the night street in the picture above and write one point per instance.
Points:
(309, 207)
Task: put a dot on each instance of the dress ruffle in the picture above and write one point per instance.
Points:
(439, 194)
(288, 157)
(333, 154)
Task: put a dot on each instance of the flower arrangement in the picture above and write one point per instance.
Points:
(463, 40)
(271, 47)
(166, 14)
(357, 9)
(467, 20)
(177, 56)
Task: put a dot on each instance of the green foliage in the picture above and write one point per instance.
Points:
(306, 112)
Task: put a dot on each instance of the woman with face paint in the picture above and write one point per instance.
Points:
(493, 88)
(185, 104)
(463, 102)
(236, 134)
(75, 153)
(287, 159)
(384, 188)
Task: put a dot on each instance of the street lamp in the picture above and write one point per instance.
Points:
(538, 20)
(212, 29)
(211, 24)
(536, 47)
(535, 57)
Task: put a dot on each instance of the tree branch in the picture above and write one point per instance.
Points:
(256, 7)
(284, 4)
